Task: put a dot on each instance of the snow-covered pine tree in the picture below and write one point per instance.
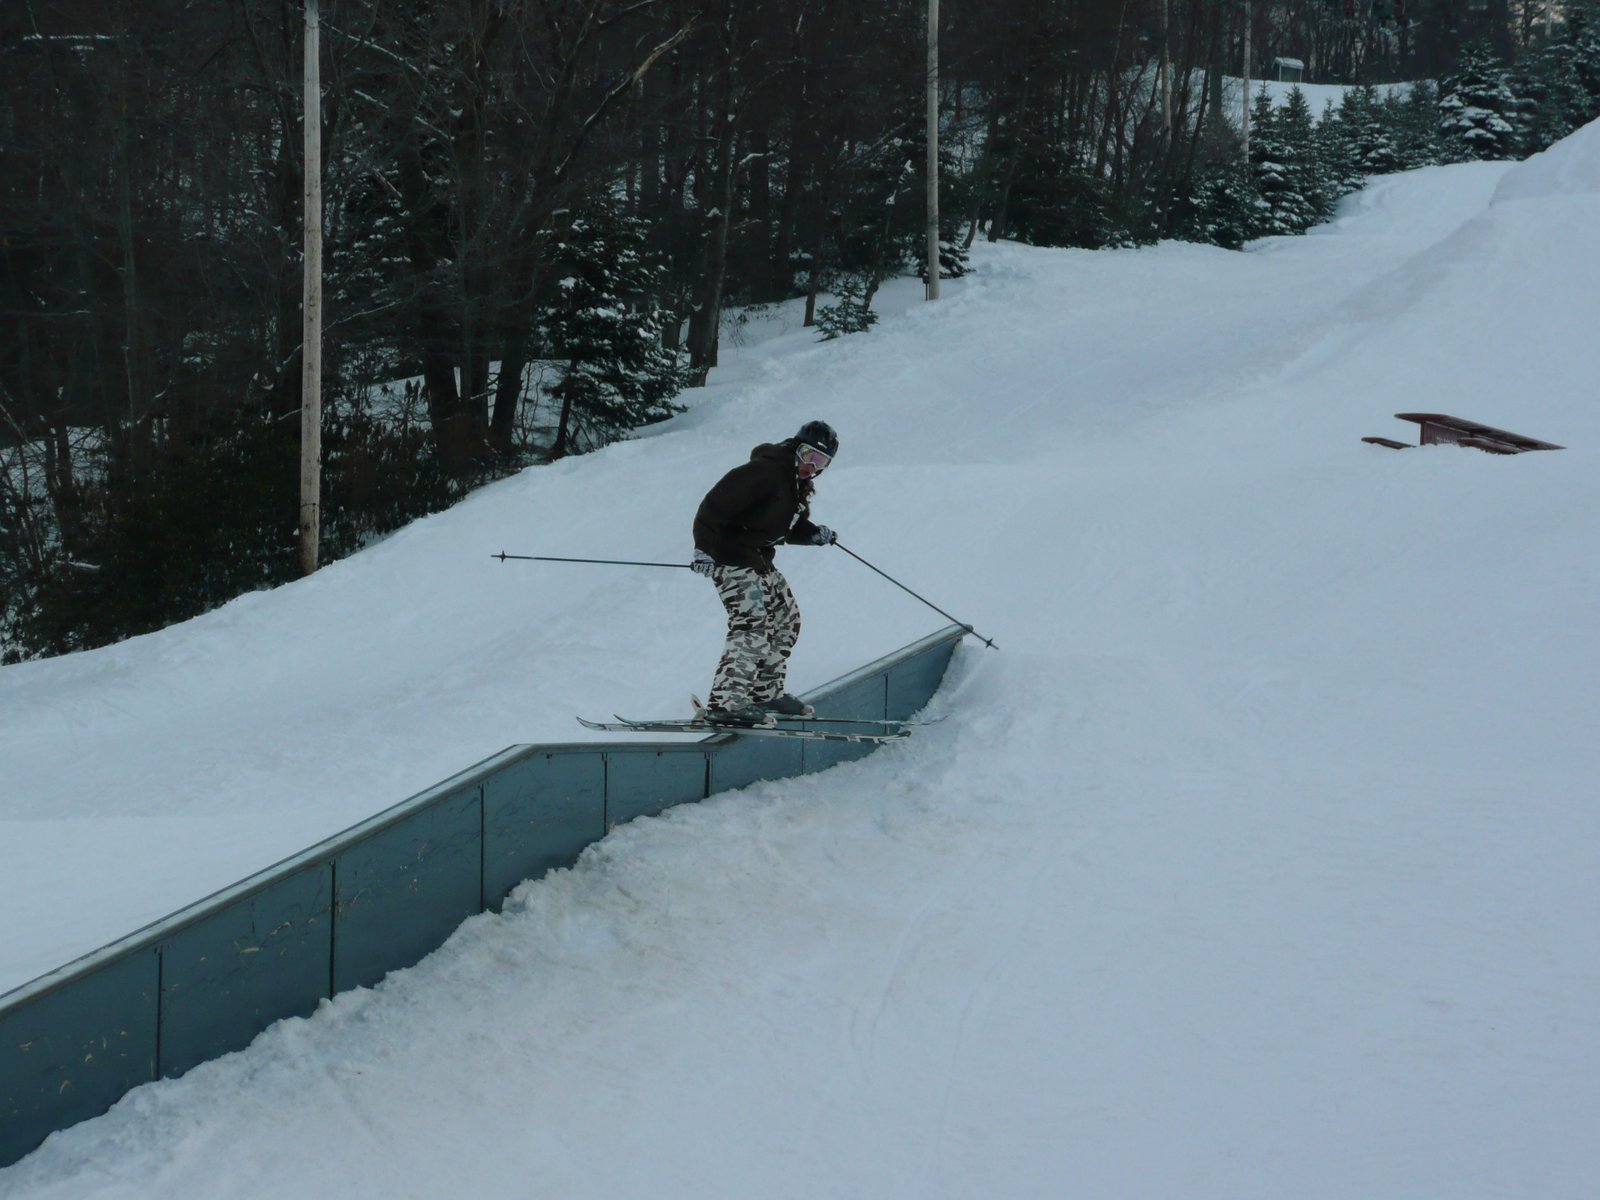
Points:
(1216, 202)
(1414, 121)
(850, 312)
(1476, 108)
(880, 225)
(1224, 207)
(1058, 199)
(1582, 33)
(1551, 99)
(602, 329)
(1339, 138)
(1269, 172)
(954, 261)
(1317, 181)
(1368, 133)
(1289, 178)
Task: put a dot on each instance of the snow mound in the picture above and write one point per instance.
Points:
(1483, 322)
(1569, 168)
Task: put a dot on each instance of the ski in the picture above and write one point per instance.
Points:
(794, 722)
(624, 725)
(785, 720)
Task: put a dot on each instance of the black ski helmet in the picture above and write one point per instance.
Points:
(820, 435)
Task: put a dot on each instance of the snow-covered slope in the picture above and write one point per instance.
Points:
(1259, 862)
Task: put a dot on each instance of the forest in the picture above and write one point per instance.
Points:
(539, 214)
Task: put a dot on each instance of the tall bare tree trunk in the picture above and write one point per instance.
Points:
(508, 390)
(933, 150)
(1166, 85)
(706, 317)
(311, 319)
(1245, 119)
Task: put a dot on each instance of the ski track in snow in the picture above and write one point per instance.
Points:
(1259, 861)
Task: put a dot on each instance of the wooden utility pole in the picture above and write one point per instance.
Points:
(311, 309)
(933, 150)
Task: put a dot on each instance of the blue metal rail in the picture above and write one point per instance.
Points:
(373, 899)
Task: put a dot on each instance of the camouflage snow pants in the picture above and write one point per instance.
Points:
(763, 625)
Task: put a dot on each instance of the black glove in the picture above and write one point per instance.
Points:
(824, 536)
(703, 564)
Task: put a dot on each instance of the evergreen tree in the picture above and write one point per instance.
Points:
(1582, 33)
(603, 329)
(1314, 172)
(1269, 174)
(1551, 99)
(1289, 178)
(1217, 203)
(1339, 138)
(1476, 109)
(1415, 124)
(1225, 207)
(1368, 136)
(881, 224)
(954, 261)
(1057, 199)
(1316, 175)
(850, 313)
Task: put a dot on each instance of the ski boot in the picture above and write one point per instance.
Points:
(787, 705)
(746, 716)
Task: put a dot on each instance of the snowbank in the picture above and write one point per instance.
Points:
(1569, 168)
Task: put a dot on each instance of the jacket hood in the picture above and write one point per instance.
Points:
(778, 452)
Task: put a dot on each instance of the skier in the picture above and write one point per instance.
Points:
(749, 511)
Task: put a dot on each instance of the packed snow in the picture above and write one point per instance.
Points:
(1261, 860)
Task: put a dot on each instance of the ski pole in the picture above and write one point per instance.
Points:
(908, 591)
(602, 562)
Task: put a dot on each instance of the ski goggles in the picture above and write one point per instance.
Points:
(811, 457)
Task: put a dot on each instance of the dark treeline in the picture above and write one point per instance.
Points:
(537, 212)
